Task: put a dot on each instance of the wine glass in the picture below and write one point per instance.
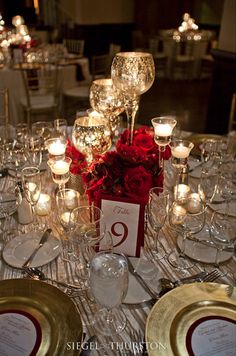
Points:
(90, 229)
(106, 99)
(157, 212)
(208, 185)
(133, 73)
(66, 201)
(109, 285)
(31, 180)
(60, 171)
(34, 150)
(91, 136)
(60, 126)
(186, 221)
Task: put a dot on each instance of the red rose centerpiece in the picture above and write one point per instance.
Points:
(119, 182)
(129, 171)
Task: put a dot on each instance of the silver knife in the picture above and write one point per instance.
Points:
(141, 281)
(42, 241)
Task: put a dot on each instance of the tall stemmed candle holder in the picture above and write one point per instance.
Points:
(133, 73)
(56, 148)
(60, 170)
(163, 128)
(107, 99)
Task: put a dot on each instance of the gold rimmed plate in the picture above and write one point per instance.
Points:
(198, 139)
(37, 319)
(193, 319)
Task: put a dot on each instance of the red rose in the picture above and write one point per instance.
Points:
(144, 141)
(137, 182)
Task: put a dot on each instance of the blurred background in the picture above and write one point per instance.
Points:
(198, 86)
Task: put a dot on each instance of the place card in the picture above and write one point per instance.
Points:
(20, 333)
(124, 219)
(213, 335)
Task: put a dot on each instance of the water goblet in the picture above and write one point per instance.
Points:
(163, 127)
(106, 99)
(109, 285)
(31, 180)
(208, 185)
(60, 171)
(66, 201)
(91, 136)
(133, 73)
(90, 229)
(34, 149)
(60, 126)
(157, 212)
(186, 221)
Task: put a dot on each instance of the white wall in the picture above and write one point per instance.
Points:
(227, 37)
(90, 12)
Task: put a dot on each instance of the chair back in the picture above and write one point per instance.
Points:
(4, 110)
(74, 46)
(232, 117)
(100, 65)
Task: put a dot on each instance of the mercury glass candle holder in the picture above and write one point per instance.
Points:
(133, 73)
(91, 136)
(163, 128)
(107, 100)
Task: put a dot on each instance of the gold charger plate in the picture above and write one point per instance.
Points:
(197, 139)
(179, 311)
(52, 312)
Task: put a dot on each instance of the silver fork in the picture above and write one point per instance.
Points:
(212, 276)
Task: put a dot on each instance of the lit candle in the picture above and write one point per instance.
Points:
(163, 130)
(71, 199)
(43, 205)
(194, 203)
(57, 148)
(180, 151)
(178, 215)
(60, 167)
(181, 192)
(66, 217)
(31, 186)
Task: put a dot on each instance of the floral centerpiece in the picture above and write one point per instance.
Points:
(129, 171)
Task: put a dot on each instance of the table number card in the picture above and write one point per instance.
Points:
(125, 220)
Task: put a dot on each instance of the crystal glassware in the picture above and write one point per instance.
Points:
(187, 221)
(163, 127)
(60, 126)
(180, 151)
(107, 99)
(133, 73)
(91, 136)
(109, 285)
(60, 170)
(157, 212)
(31, 178)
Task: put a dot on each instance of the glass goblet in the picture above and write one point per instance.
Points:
(109, 285)
(91, 136)
(66, 201)
(31, 179)
(133, 73)
(90, 229)
(157, 211)
(60, 171)
(106, 99)
(187, 222)
(208, 185)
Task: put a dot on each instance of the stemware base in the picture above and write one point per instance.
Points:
(109, 322)
(180, 262)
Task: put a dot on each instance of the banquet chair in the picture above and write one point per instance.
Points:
(74, 46)
(100, 66)
(41, 90)
(232, 116)
(183, 60)
(4, 113)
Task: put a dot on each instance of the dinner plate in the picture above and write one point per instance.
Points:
(193, 319)
(197, 139)
(136, 294)
(202, 253)
(20, 248)
(37, 319)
